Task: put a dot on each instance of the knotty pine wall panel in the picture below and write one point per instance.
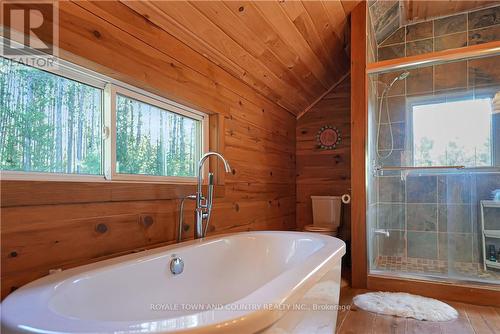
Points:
(42, 229)
(324, 172)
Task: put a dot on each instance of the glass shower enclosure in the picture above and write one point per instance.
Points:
(434, 171)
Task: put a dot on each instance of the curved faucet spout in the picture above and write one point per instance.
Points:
(220, 156)
(203, 210)
(202, 162)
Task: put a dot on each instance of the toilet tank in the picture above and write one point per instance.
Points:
(326, 210)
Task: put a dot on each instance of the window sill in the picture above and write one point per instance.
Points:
(25, 192)
(124, 178)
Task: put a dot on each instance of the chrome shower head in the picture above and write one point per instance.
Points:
(402, 76)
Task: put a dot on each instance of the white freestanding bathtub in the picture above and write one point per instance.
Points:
(255, 282)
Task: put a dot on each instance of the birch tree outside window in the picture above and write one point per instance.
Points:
(70, 123)
(154, 141)
(48, 123)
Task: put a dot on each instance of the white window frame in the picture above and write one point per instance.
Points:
(111, 91)
(110, 87)
(426, 100)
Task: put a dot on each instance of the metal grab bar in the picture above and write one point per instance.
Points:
(417, 168)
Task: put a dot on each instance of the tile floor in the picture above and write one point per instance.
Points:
(410, 265)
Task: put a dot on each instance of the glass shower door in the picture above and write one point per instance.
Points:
(434, 153)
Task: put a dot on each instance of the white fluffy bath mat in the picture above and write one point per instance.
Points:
(405, 305)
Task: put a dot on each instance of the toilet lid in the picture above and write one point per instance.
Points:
(316, 228)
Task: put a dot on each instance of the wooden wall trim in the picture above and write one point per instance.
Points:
(473, 294)
(359, 123)
(27, 193)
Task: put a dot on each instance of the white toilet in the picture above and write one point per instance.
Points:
(326, 215)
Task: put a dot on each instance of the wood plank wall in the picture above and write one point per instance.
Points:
(325, 172)
(42, 229)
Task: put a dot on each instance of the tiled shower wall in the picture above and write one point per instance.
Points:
(433, 216)
(450, 32)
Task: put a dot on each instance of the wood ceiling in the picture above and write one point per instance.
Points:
(291, 52)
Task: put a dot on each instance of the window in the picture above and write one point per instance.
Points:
(77, 122)
(154, 141)
(453, 133)
(48, 123)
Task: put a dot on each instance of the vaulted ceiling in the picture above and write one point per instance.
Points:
(292, 52)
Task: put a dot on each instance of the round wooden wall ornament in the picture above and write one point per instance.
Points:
(328, 137)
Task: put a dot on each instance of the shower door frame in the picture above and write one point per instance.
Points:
(360, 69)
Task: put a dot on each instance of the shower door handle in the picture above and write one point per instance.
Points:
(381, 231)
